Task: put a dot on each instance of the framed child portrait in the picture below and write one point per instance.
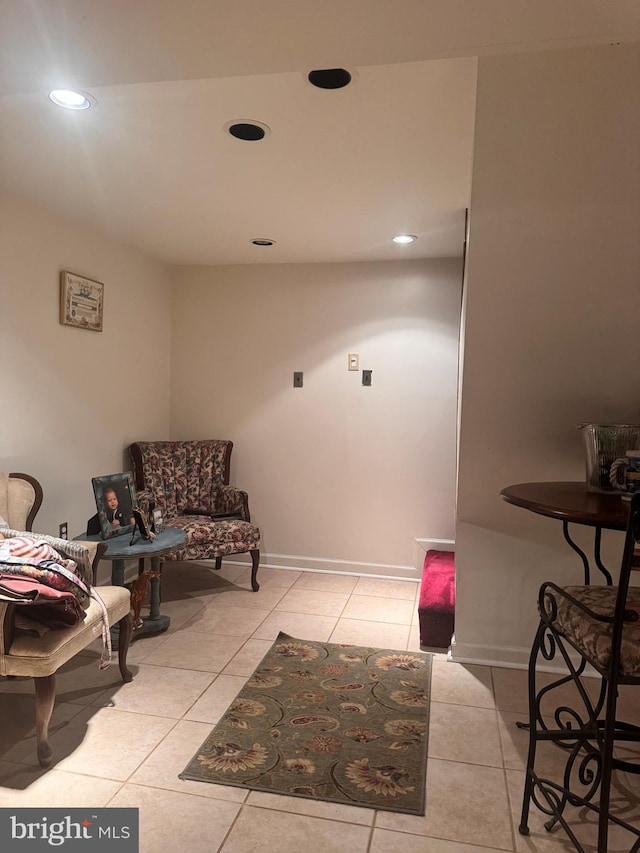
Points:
(115, 496)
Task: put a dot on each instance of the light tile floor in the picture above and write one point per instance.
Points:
(124, 745)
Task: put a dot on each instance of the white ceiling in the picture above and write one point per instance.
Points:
(340, 172)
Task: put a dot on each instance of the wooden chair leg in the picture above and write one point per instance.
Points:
(255, 560)
(45, 698)
(218, 565)
(124, 638)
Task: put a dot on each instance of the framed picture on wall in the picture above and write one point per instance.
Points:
(115, 496)
(81, 301)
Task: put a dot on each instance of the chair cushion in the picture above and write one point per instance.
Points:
(39, 656)
(591, 637)
(207, 539)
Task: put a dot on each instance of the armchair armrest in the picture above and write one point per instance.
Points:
(215, 516)
(84, 554)
(232, 500)
(228, 502)
(95, 552)
(7, 630)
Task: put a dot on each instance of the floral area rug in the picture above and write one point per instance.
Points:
(332, 722)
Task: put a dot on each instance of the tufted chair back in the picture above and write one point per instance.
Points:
(182, 475)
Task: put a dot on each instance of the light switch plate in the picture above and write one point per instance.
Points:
(297, 379)
(366, 377)
(354, 361)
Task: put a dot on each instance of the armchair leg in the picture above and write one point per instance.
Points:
(255, 560)
(45, 698)
(124, 638)
(218, 564)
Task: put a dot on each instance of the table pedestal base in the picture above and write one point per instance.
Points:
(150, 625)
(119, 550)
(147, 580)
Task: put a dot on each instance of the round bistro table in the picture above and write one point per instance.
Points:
(573, 503)
(119, 550)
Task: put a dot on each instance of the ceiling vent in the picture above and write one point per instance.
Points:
(330, 78)
(250, 131)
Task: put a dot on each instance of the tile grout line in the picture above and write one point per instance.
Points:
(372, 829)
(231, 826)
(514, 840)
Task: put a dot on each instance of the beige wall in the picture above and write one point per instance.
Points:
(551, 336)
(340, 477)
(73, 399)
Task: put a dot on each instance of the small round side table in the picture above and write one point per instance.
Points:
(120, 549)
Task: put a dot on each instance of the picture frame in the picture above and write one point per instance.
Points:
(158, 523)
(81, 301)
(115, 496)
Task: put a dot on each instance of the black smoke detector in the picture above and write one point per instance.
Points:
(330, 78)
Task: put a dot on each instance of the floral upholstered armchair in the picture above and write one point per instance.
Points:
(188, 481)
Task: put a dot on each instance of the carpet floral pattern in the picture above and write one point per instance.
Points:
(341, 723)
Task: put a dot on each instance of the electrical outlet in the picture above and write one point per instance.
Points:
(297, 379)
(354, 361)
(64, 530)
(366, 377)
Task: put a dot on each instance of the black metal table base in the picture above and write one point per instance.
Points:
(585, 560)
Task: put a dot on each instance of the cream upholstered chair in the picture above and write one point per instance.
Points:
(39, 657)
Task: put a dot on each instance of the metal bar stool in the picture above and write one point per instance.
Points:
(579, 626)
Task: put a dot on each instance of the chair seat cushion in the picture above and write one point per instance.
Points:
(207, 539)
(591, 637)
(40, 656)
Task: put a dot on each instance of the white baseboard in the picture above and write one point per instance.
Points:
(294, 562)
(384, 571)
(436, 544)
(509, 657)
(424, 545)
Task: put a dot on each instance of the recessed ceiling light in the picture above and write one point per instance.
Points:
(405, 238)
(250, 131)
(263, 241)
(69, 99)
(329, 78)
